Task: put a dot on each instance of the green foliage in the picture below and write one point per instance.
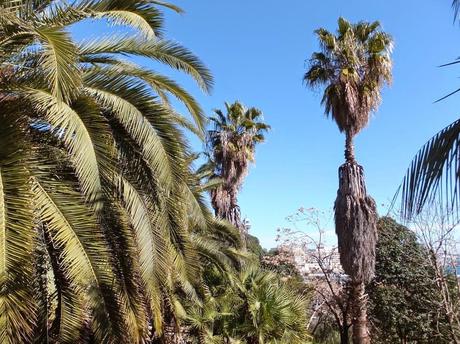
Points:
(95, 183)
(253, 246)
(352, 66)
(250, 306)
(404, 300)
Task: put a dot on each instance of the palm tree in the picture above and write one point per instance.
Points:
(253, 307)
(353, 65)
(231, 147)
(93, 173)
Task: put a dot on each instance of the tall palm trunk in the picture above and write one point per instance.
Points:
(356, 228)
(349, 147)
(225, 203)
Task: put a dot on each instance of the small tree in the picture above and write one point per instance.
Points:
(304, 244)
(435, 231)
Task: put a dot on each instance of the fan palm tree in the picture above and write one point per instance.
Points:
(353, 65)
(254, 307)
(93, 173)
(231, 147)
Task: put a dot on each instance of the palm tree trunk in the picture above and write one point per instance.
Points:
(355, 224)
(225, 203)
(349, 147)
(356, 229)
(360, 330)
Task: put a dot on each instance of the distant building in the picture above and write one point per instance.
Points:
(312, 261)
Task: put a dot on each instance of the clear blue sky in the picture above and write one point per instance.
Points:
(257, 49)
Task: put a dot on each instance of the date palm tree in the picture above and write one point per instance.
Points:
(231, 147)
(353, 66)
(94, 210)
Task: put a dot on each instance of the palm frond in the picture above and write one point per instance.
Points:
(17, 299)
(85, 257)
(68, 126)
(58, 60)
(159, 83)
(132, 19)
(456, 8)
(139, 129)
(168, 5)
(167, 52)
(434, 174)
(151, 247)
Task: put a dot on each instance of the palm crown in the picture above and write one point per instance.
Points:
(352, 65)
(235, 135)
(93, 164)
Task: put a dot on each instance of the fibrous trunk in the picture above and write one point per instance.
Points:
(355, 223)
(356, 228)
(226, 207)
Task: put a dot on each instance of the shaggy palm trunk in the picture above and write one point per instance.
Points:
(225, 204)
(356, 228)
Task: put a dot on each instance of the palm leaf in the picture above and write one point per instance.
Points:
(169, 53)
(132, 19)
(139, 129)
(85, 257)
(160, 84)
(168, 5)
(67, 124)
(434, 173)
(59, 59)
(17, 301)
(150, 247)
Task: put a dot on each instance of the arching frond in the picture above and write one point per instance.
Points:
(434, 174)
(168, 5)
(68, 126)
(151, 247)
(85, 257)
(59, 61)
(169, 53)
(140, 130)
(160, 84)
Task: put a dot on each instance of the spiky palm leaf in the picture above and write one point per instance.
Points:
(256, 307)
(17, 302)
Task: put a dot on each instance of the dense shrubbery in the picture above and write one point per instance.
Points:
(405, 302)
